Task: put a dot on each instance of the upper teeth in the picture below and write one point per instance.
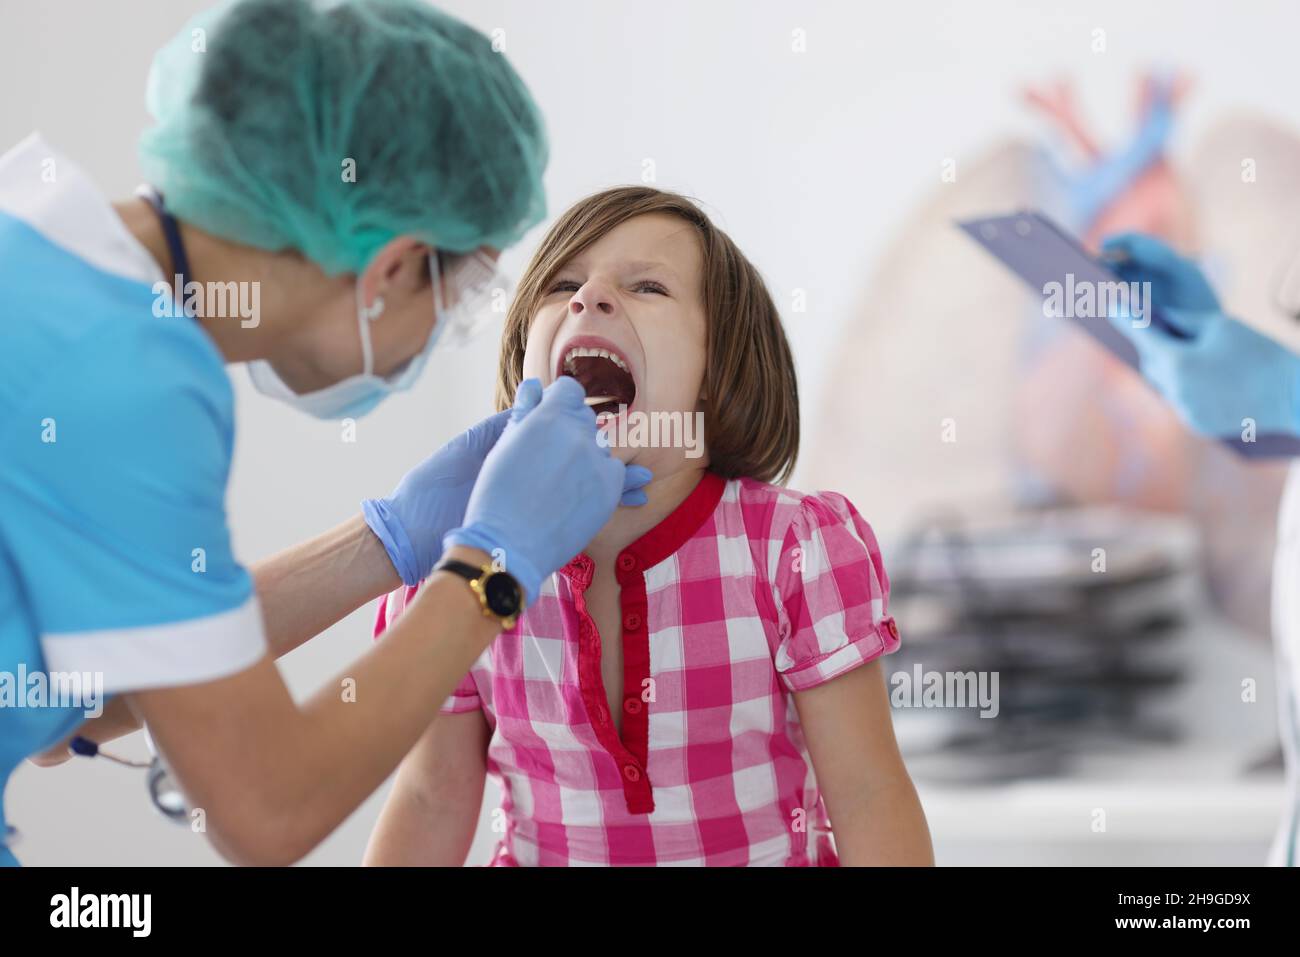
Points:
(605, 353)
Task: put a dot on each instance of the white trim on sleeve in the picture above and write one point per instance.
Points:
(162, 656)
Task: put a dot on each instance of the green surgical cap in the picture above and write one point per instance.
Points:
(331, 128)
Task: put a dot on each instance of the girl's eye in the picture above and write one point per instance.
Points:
(649, 285)
(562, 285)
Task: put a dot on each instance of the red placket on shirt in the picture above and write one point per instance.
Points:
(629, 750)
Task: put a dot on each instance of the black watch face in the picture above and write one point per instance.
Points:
(502, 594)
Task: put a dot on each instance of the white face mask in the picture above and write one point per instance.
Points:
(358, 394)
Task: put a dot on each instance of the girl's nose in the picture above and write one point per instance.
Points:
(594, 298)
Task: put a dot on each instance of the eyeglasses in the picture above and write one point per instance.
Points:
(470, 285)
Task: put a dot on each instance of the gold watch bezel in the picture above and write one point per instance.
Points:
(476, 585)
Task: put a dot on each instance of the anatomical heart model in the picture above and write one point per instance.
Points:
(981, 403)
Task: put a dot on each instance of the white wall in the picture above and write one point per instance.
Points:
(809, 160)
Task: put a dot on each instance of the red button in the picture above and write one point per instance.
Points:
(632, 705)
(631, 621)
(626, 562)
(892, 627)
(632, 772)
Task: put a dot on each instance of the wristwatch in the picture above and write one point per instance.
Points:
(498, 593)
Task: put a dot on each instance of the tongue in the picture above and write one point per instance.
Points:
(601, 376)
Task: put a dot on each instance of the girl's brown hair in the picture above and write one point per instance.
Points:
(751, 412)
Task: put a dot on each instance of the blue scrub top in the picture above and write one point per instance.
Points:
(116, 433)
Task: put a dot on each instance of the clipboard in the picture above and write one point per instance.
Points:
(1041, 253)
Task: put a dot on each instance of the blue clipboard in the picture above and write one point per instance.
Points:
(1040, 252)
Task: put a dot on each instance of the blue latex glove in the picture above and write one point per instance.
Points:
(547, 487)
(430, 500)
(1225, 374)
(1176, 282)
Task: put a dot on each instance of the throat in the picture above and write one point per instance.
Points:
(629, 523)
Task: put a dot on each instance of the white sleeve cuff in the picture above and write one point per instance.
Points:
(160, 656)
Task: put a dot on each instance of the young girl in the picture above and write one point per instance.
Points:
(671, 692)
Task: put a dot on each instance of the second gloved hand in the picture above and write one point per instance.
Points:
(1225, 377)
(430, 500)
(547, 487)
(1227, 381)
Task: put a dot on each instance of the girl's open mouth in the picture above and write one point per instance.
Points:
(603, 375)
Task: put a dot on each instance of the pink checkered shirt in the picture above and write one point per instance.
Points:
(746, 593)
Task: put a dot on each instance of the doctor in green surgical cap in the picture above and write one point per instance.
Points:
(359, 164)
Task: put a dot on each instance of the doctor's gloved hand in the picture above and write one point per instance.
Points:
(1176, 281)
(548, 486)
(1224, 377)
(1225, 380)
(430, 500)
